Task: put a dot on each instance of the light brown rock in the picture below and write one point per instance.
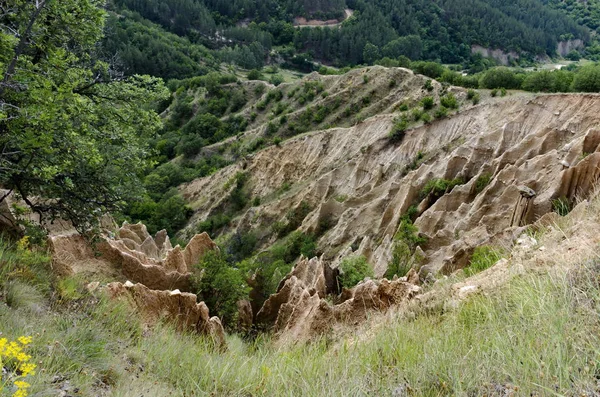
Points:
(126, 233)
(133, 267)
(175, 260)
(519, 141)
(162, 242)
(297, 312)
(177, 307)
(245, 316)
(198, 246)
(139, 229)
(413, 277)
(124, 259)
(149, 248)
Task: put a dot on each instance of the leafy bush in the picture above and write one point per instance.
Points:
(483, 257)
(427, 103)
(482, 181)
(213, 223)
(438, 187)
(429, 69)
(587, 79)
(295, 244)
(240, 246)
(441, 112)
(406, 241)
(501, 77)
(259, 89)
(294, 219)
(449, 101)
(255, 74)
(398, 129)
(170, 213)
(428, 85)
(417, 114)
(353, 270)
(276, 79)
(220, 285)
(238, 198)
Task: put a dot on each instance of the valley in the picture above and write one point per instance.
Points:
(299, 198)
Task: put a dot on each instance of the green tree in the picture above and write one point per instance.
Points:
(220, 285)
(501, 77)
(354, 269)
(370, 53)
(587, 79)
(73, 131)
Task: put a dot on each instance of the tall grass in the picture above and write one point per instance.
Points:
(539, 335)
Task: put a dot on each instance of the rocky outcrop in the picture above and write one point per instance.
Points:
(563, 48)
(245, 315)
(132, 254)
(198, 246)
(298, 310)
(177, 307)
(307, 279)
(374, 295)
(505, 58)
(160, 273)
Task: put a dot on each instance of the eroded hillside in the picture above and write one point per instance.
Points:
(470, 179)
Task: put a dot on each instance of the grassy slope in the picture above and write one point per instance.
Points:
(539, 333)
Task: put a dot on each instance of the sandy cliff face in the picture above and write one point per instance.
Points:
(535, 149)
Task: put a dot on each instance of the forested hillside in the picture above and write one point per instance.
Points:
(249, 32)
(585, 13)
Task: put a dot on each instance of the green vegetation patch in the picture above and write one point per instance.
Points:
(483, 257)
(438, 187)
(353, 270)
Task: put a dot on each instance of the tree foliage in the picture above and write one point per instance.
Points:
(354, 269)
(221, 286)
(73, 131)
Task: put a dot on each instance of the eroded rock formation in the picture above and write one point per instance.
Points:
(178, 307)
(133, 254)
(515, 155)
(160, 273)
(298, 310)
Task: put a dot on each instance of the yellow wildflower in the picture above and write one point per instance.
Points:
(23, 243)
(27, 369)
(21, 384)
(22, 357)
(15, 360)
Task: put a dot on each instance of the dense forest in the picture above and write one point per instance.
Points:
(249, 32)
(586, 13)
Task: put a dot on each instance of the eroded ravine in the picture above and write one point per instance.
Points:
(545, 143)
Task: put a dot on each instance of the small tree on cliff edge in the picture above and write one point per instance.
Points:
(73, 131)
